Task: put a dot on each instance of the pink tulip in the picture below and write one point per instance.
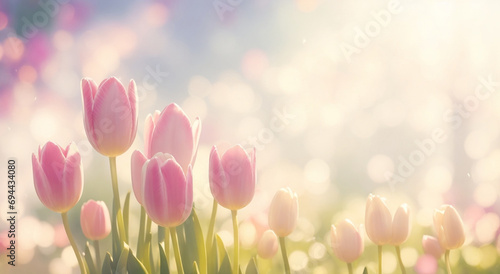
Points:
(432, 246)
(378, 220)
(268, 245)
(171, 132)
(347, 243)
(110, 115)
(284, 212)
(94, 219)
(232, 177)
(138, 160)
(167, 193)
(58, 176)
(401, 225)
(449, 227)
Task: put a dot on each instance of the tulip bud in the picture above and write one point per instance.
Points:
(171, 132)
(432, 246)
(284, 212)
(378, 220)
(449, 227)
(232, 177)
(110, 115)
(401, 225)
(268, 245)
(167, 193)
(347, 243)
(58, 176)
(94, 219)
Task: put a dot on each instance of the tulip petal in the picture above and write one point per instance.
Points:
(432, 246)
(173, 134)
(347, 242)
(89, 90)
(137, 162)
(196, 128)
(453, 228)
(52, 161)
(217, 176)
(154, 192)
(134, 106)
(378, 220)
(42, 187)
(177, 196)
(240, 175)
(283, 212)
(112, 117)
(149, 126)
(72, 180)
(401, 225)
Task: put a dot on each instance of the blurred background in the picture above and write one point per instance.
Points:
(340, 98)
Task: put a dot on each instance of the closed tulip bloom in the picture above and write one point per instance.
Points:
(167, 192)
(232, 177)
(449, 227)
(137, 162)
(171, 132)
(94, 219)
(432, 246)
(284, 212)
(268, 245)
(58, 176)
(110, 115)
(378, 220)
(401, 225)
(347, 243)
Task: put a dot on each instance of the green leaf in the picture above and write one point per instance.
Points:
(195, 268)
(126, 207)
(106, 265)
(183, 249)
(147, 253)
(134, 266)
(225, 267)
(153, 262)
(163, 261)
(252, 267)
(89, 260)
(212, 259)
(365, 271)
(221, 249)
(187, 248)
(202, 256)
(161, 234)
(121, 267)
(115, 241)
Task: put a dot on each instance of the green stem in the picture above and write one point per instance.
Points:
(447, 261)
(236, 242)
(147, 243)
(116, 202)
(398, 252)
(177, 253)
(349, 267)
(97, 255)
(166, 243)
(140, 238)
(210, 233)
(379, 259)
(73, 243)
(285, 256)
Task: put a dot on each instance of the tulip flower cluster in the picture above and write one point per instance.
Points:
(162, 183)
